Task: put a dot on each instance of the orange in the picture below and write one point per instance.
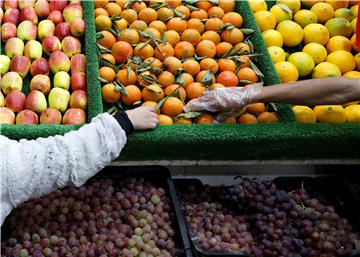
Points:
(209, 64)
(180, 119)
(133, 95)
(267, 117)
(199, 14)
(113, 9)
(212, 36)
(100, 11)
(233, 36)
(245, 61)
(166, 78)
(185, 79)
(153, 33)
(165, 120)
(154, 62)
(141, 78)
(107, 73)
(230, 120)
(223, 48)
(129, 35)
(196, 24)
(148, 15)
(172, 37)
(192, 36)
(255, 108)
(184, 49)
(227, 5)
(109, 57)
(194, 90)
(247, 74)
(121, 50)
(102, 22)
(304, 114)
(138, 6)
(213, 24)
(242, 47)
(175, 90)
(125, 79)
(177, 24)
(228, 79)
(152, 104)
(233, 18)
(172, 106)
(138, 25)
(247, 119)
(159, 26)
(122, 23)
(215, 86)
(191, 66)
(109, 94)
(184, 10)
(144, 51)
(174, 3)
(204, 5)
(205, 119)
(152, 93)
(129, 15)
(164, 50)
(227, 65)
(201, 74)
(108, 39)
(164, 14)
(216, 11)
(121, 3)
(172, 64)
(100, 3)
(206, 48)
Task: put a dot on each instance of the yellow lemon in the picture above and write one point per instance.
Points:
(339, 27)
(294, 5)
(352, 74)
(326, 69)
(354, 9)
(304, 114)
(257, 5)
(305, 17)
(316, 33)
(323, 11)
(353, 24)
(303, 62)
(286, 71)
(337, 4)
(338, 43)
(343, 59)
(277, 54)
(316, 51)
(330, 113)
(272, 38)
(281, 13)
(357, 61)
(344, 13)
(354, 46)
(291, 32)
(265, 20)
(352, 113)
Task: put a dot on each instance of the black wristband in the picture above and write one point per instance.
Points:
(124, 122)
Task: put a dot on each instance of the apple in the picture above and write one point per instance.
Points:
(74, 116)
(77, 27)
(78, 99)
(42, 8)
(20, 64)
(51, 44)
(45, 28)
(29, 14)
(26, 3)
(58, 5)
(59, 61)
(2, 100)
(40, 66)
(59, 99)
(15, 101)
(78, 81)
(7, 116)
(1, 15)
(8, 30)
(56, 17)
(62, 80)
(41, 83)
(4, 64)
(14, 46)
(12, 16)
(27, 117)
(36, 101)
(62, 30)
(33, 50)
(26, 31)
(73, 11)
(78, 63)
(11, 82)
(71, 46)
(11, 4)
(50, 116)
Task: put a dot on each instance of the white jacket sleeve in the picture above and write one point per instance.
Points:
(32, 168)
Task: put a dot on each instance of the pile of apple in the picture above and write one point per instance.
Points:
(41, 45)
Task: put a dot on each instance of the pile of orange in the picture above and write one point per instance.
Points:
(164, 53)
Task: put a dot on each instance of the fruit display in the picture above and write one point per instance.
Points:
(102, 218)
(42, 67)
(166, 53)
(312, 39)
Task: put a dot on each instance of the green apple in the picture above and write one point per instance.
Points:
(59, 99)
(45, 28)
(62, 80)
(11, 82)
(4, 64)
(14, 46)
(33, 50)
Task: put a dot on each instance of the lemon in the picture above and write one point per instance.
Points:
(291, 32)
(286, 71)
(338, 43)
(330, 113)
(316, 33)
(305, 17)
(272, 38)
(257, 5)
(316, 51)
(265, 20)
(352, 113)
(280, 13)
(326, 69)
(323, 11)
(277, 54)
(344, 13)
(303, 62)
(304, 114)
(357, 61)
(339, 27)
(294, 5)
(354, 46)
(343, 59)
(354, 9)
(352, 74)
(337, 4)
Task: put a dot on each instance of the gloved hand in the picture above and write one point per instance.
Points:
(226, 101)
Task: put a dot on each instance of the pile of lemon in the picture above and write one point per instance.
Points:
(323, 33)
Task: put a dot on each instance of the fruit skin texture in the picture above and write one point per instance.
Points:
(26, 31)
(33, 50)
(291, 32)
(14, 46)
(352, 113)
(326, 69)
(50, 116)
(316, 33)
(78, 99)
(277, 54)
(228, 79)
(62, 80)
(304, 114)
(36, 101)
(59, 99)
(59, 61)
(39, 66)
(21, 65)
(339, 27)
(303, 62)
(330, 114)
(316, 51)
(75, 116)
(343, 60)
(27, 117)
(41, 82)
(15, 101)
(7, 116)
(287, 71)
(11, 82)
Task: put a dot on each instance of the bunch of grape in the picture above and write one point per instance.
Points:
(94, 220)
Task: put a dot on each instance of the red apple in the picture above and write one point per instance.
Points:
(7, 116)
(33, 49)
(73, 11)
(59, 61)
(56, 17)
(71, 46)
(45, 28)
(27, 31)
(78, 81)
(8, 30)
(41, 83)
(50, 116)
(42, 8)
(12, 16)
(40, 66)
(78, 99)
(11, 82)
(74, 116)
(27, 117)
(78, 63)
(77, 27)
(11, 4)
(51, 44)
(62, 30)
(36, 101)
(29, 14)
(26, 3)
(20, 64)
(13, 47)
(15, 101)
(58, 5)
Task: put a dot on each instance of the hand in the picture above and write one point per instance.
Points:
(143, 117)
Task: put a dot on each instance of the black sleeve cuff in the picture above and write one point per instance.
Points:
(124, 122)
